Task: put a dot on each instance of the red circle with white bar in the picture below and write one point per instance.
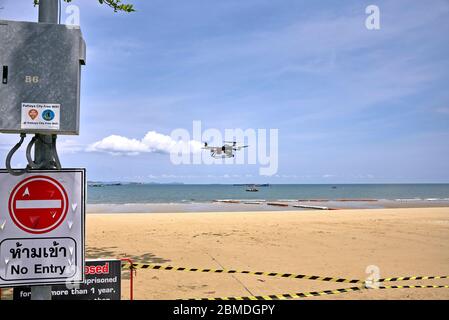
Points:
(38, 204)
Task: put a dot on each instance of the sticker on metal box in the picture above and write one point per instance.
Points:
(40, 116)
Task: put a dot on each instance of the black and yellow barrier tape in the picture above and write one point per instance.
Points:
(293, 276)
(275, 274)
(256, 273)
(412, 278)
(413, 287)
(288, 296)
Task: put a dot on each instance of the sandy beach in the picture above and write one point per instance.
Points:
(341, 243)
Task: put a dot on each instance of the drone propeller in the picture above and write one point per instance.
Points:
(239, 147)
(234, 143)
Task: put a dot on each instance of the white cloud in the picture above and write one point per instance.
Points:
(69, 146)
(152, 142)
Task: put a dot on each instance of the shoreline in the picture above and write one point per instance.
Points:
(235, 205)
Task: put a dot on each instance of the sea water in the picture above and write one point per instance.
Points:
(184, 193)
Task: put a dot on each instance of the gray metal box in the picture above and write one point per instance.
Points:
(40, 68)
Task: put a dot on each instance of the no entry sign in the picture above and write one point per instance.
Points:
(38, 204)
(42, 227)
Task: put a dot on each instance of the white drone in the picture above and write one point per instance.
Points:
(225, 151)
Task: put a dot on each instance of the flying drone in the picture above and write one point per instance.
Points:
(225, 151)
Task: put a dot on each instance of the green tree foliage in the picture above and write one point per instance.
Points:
(116, 5)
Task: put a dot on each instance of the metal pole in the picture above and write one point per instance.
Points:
(131, 281)
(48, 13)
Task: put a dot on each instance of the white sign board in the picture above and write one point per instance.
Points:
(40, 116)
(42, 227)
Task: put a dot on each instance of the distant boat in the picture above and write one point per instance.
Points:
(252, 189)
(334, 187)
(95, 184)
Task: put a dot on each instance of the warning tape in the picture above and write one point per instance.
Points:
(287, 296)
(276, 274)
(413, 287)
(318, 293)
(293, 276)
(412, 278)
(256, 273)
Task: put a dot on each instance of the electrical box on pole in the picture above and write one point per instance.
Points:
(40, 69)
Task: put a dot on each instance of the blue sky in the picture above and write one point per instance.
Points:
(352, 105)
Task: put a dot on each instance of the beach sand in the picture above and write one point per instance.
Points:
(340, 243)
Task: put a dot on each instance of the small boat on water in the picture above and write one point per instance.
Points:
(252, 189)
